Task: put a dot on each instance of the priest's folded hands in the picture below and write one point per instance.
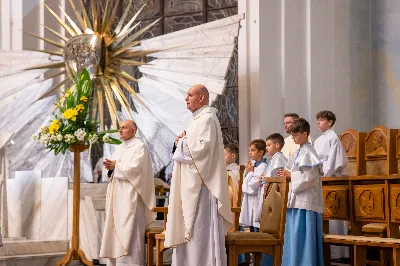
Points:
(109, 164)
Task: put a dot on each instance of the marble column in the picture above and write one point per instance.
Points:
(303, 56)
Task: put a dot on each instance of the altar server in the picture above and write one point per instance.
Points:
(251, 184)
(303, 242)
(231, 154)
(330, 151)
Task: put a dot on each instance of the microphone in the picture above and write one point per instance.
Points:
(109, 173)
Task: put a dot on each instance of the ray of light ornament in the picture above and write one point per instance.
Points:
(102, 52)
(195, 55)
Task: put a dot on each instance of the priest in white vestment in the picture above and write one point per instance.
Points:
(199, 212)
(129, 202)
(334, 160)
(290, 147)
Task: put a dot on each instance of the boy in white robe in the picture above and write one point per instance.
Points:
(251, 186)
(129, 202)
(331, 153)
(290, 147)
(303, 241)
(274, 144)
(199, 212)
(231, 154)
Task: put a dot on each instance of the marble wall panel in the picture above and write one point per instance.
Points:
(23, 198)
(150, 33)
(221, 13)
(83, 234)
(174, 7)
(146, 12)
(54, 209)
(92, 227)
(180, 22)
(227, 107)
(221, 3)
(69, 212)
(230, 135)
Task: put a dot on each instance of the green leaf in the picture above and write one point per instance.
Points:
(108, 131)
(114, 141)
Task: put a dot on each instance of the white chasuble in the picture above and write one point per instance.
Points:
(198, 161)
(330, 151)
(131, 186)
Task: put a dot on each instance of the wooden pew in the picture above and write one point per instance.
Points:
(362, 200)
(353, 143)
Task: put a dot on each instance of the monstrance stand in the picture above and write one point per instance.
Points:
(75, 252)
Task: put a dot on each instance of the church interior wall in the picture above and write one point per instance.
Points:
(304, 57)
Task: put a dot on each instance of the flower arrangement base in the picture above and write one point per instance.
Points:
(75, 253)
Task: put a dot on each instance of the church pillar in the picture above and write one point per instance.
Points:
(386, 64)
(303, 56)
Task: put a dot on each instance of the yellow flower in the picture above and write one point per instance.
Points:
(70, 114)
(54, 127)
(83, 99)
(80, 108)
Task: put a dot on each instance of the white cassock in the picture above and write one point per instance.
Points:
(233, 171)
(199, 212)
(330, 151)
(278, 161)
(129, 203)
(290, 147)
(99, 167)
(251, 188)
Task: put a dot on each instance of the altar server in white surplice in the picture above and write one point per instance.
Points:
(331, 153)
(231, 154)
(129, 202)
(274, 144)
(199, 212)
(290, 147)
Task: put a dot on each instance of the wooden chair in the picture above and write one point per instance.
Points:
(154, 228)
(270, 238)
(236, 204)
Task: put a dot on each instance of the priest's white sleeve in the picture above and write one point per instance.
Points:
(124, 171)
(182, 154)
(301, 180)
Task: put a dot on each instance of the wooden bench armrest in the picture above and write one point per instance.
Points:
(277, 179)
(362, 241)
(160, 209)
(235, 209)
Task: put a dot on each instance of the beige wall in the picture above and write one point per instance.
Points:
(303, 56)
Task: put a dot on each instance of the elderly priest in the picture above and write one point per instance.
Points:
(199, 214)
(130, 200)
